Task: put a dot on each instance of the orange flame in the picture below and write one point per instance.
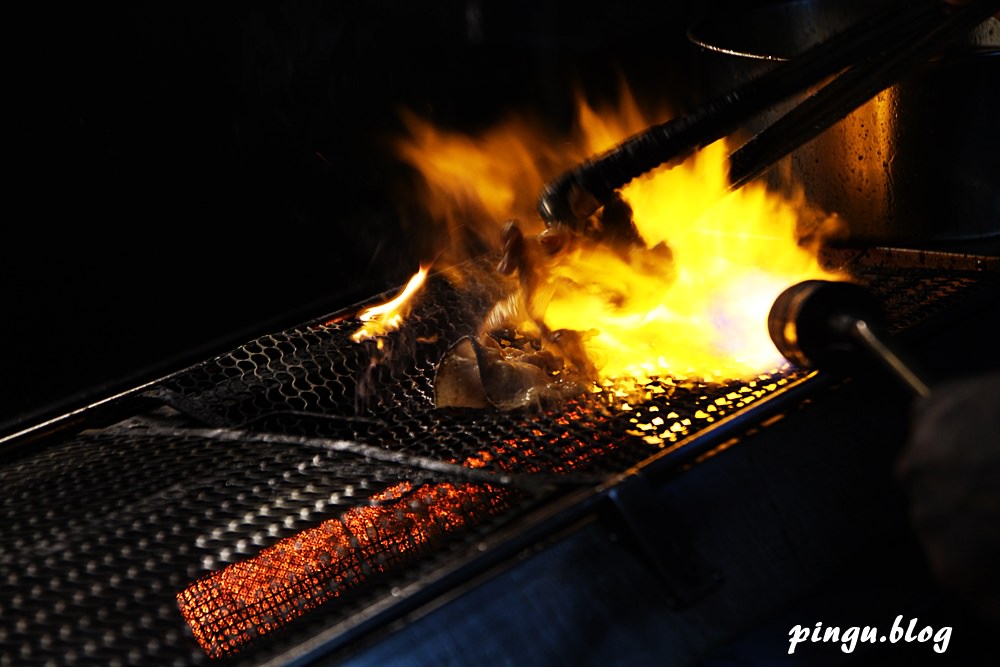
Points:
(703, 314)
(383, 318)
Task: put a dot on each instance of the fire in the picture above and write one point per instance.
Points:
(697, 310)
(705, 313)
(383, 318)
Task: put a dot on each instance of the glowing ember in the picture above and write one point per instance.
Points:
(383, 318)
(231, 607)
(690, 300)
(251, 598)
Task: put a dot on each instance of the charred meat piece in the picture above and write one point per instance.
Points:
(478, 373)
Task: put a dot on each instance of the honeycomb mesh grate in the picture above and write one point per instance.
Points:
(295, 476)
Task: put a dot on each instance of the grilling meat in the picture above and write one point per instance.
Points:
(481, 373)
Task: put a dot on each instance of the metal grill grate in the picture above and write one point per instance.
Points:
(293, 476)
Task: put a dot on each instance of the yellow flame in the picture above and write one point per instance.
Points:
(705, 314)
(383, 318)
(702, 314)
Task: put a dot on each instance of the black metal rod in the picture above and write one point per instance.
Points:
(881, 349)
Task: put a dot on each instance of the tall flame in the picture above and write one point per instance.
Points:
(701, 314)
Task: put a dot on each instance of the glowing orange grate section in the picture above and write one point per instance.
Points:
(249, 599)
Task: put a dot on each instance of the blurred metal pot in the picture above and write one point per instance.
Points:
(917, 165)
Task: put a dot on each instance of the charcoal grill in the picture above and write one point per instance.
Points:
(300, 496)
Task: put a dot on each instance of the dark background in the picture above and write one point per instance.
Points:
(186, 175)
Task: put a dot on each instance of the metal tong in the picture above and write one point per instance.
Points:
(870, 56)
